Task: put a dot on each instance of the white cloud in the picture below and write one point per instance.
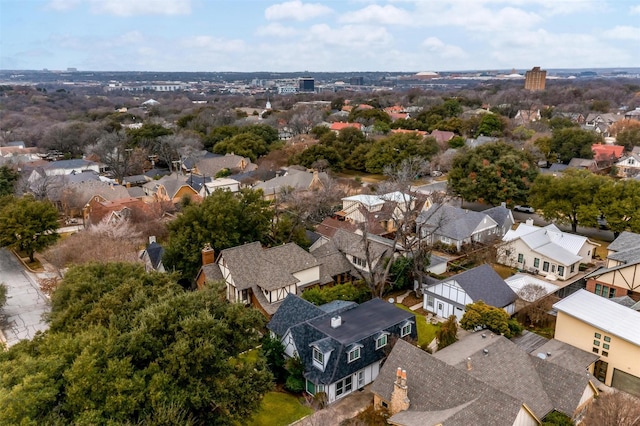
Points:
(351, 36)
(63, 4)
(439, 48)
(276, 30)
(213, 44)
(623, 32)
(379, 14)
(296, 10)
(635, 10)
(141, 7)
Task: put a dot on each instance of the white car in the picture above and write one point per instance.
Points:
(523, 209)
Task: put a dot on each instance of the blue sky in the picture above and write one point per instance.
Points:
(297, 35)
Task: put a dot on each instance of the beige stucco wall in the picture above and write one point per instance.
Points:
(623, 355)
(307, 276)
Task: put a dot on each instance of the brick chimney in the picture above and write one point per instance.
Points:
(208, 254)
(399, 398)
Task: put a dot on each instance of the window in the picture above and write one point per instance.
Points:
(359, 262)
(360, 379)
(344, 386)
(545, 266)
(605, 291)
(445, 240)
(353, 354)
(605, 353)
(596, 343)
(311, 388)
(430, 301)
(381, 341)
(406, 329)
(536, 262)
(595, 350)
(561, 270)
(607, 339)
(553, 268)
(318, 356)
(598, 289)
(597, 335)
(384, 404)
(520, 257)
(612, 292)
(605, 346)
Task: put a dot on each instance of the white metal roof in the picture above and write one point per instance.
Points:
(518, 281)
(603, 314)
(550, 242)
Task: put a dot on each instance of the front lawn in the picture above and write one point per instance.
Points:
(279, 409)
(426, 331)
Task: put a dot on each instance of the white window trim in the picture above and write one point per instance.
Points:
(353, 350)
(386, 340)
(319, 360)
(402, 333)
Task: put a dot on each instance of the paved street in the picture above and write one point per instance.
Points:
(25, 303)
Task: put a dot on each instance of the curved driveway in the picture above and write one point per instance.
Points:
(21, 316)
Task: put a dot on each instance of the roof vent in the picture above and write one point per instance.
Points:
(485, 351)
(484, 336)
(548, 353)
(541, 355)
(336, 322)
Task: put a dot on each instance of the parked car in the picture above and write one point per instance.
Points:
(523, 209)
(436, 173)
(602, 223)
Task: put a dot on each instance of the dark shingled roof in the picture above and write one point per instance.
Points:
(293, 310)
(452, 222)
(625, 241)
(155, 251)
(439, 393)
(483, 283)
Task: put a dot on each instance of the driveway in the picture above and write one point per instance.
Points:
(21, 316)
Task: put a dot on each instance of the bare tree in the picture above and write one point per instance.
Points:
(175, 147)
(116, 151)
(613, 409)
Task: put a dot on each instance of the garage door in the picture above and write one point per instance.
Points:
(626, 382)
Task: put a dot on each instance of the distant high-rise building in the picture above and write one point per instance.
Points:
(356, 81)
(535, 79)
(306, 84)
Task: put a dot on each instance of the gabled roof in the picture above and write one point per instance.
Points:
(442, 136)
(293, 310)
(337, 126)
(352, 244)
(483, 283)
(332, 262)
(155, 251)
(75, 164)
(550, 242)
(602, 152)
(500, 214)
(296, 179)
(209, 166)
(543, 386)
(454, 222)
(441, 394)
(329, 226)
(625, 241)
(602, 314)
(270, 268)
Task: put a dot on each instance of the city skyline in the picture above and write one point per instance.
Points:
(320, 36)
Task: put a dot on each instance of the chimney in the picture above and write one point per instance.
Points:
(208, 254)
(399, 398)
(469, 364)
(152, 239)
(529, 222)
(336, 321)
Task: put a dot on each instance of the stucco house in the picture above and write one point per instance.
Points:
(342, 345)
(451, 295)
(606, 328)
(545, 250)
(483, 379)
(170, 188)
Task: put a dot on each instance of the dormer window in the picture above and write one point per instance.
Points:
(353, 354)
(381, 341)
(318, 357)
(405, 330)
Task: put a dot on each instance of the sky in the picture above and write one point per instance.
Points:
(318, 36)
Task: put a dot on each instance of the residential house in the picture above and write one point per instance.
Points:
(99, 209)
(170, 188)
(479, 141)
(621, 274)
(524, 116)
(521, 284)
(633, 114)
(211, 166)
(606, 328)
(65, 167)
(293, 180)
(629, 165)
(151, 256)
(606, 155)
(546, 250)
(442, 136)
(262, 277)
(380, 213)
(583, 164)
(451, 295)
(576, 117)
(483, 379)
(224, 184)
(456, 227)
(342, 346)
(600, 123)
(337, 126)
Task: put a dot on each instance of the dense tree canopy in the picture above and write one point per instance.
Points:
(127, 347)
(493, 173)
(28, 225)
(619, 203)
(394, 148)
(572, 142)
(223, 220)
(311, 157)
(568, 198)
(244, 144)
(8, 179)
(481, 315)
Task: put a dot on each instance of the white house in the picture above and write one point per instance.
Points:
(545, 250)
(225, 184)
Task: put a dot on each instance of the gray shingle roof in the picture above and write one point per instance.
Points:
(332, 262)
(501, 215)
(439, 393)
(566, 356)
(452, 222)
(483, 283)
(155, 251)
(293, 310)
(211, 166)
(625, 241)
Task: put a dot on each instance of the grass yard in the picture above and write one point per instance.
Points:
(279, 409)
(426, 332)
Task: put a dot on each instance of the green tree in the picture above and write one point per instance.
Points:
(295, 379)
(369, 115)
(218, 134)
(619, 203)
(8, 179)
(568, 198)
(244, 144)
(28, 225)
(401, 273)
(147, 132)
(480, 315)
(493, 173)
(556, 418)
(394, 148)
(314, 153)
(273, 351)
(570, 142)
(351, 292)
(447, 334)
(223, 220)
(491, 125)
(160, 356)
(629, 137)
